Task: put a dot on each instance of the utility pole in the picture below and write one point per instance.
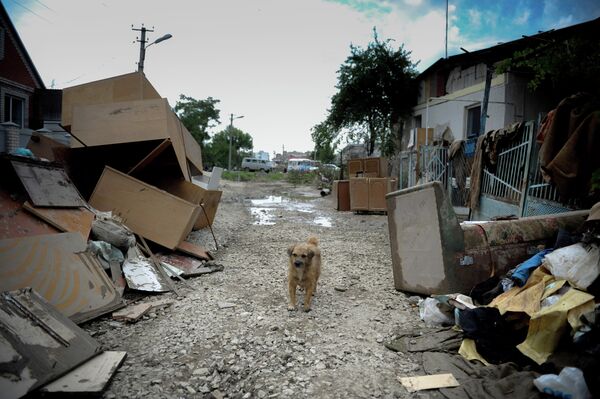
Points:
(446, 29)
(142, 41)
(231, 118)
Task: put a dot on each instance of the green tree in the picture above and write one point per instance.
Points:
(376, 91)
(217, 150)
(198, 116)
(323, 137)
(563, 66)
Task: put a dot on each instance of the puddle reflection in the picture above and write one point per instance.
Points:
(266, 210)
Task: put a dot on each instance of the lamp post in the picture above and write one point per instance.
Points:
(143, 46)
(231, 118)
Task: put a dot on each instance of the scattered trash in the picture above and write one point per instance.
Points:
(434, 313)
(420, 383)
(569, 383)
(578, 264)
(133, 313)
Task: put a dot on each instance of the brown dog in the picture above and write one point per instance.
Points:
(303, 270)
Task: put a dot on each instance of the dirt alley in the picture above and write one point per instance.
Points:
(232, 336)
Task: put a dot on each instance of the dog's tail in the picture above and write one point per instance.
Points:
(313, 240)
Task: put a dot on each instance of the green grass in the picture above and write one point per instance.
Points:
(253, 176)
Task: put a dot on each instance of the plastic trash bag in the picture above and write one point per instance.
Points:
(579, 265)
(434, 313)
(568, 384)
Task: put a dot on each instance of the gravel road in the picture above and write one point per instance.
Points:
(232, 335)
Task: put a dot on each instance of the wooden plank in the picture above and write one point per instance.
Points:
(193, 152)
(195, 250)
(133, 313)
(58, 267)
(148, 211)
(413, 384)
(47, 185)
(68, 220)
(37, 342)
(176, 134)
(127, 87)
(89, 378)
(120, 122)
(150, 157)
(16, 222)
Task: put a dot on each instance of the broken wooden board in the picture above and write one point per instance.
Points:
(89, 378)
(152, 213)
(77, 220)
(133, 313)
(128, 87)
(60, 270)
(47, 185)
(195, 194)
(194, 249)
(420, 383)
(16, 222)
(37, 343)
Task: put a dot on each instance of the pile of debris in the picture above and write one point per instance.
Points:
(534, 329)
(65, 260)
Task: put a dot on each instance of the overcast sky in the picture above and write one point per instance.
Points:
(272, 61)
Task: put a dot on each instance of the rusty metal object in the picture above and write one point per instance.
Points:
(433, 254)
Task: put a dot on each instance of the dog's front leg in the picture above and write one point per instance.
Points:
(310, 288)
(292, 295)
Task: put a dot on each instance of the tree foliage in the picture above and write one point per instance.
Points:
(198, 116)
(323, 137)
(565, 66)
(217, 150)
(376, 91)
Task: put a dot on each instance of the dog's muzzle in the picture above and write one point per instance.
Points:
(298, 263)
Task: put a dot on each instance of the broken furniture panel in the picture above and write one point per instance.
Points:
(60, 270)
(368, 193)
(16, 222)
(195, 250)
(341, 195)
(196, 195)
(433, 254)
(37, 343)
(68, 220)
(191, 267)
(148, 211)
(128, 87)
(47, 184)
(43, 146)
(90, 378)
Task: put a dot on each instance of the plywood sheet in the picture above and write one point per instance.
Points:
(47, 185)
(89, 378)
(77, 220)
(148, 211)
(176, 134)
(150, 157)
(128, 87)
(16, 222)
(37, 343)
(132, 313)
(120, 122)
(58, 267)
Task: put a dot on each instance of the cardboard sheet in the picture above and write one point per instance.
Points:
(58, 267)
(37, 343)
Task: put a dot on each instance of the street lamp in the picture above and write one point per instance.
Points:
(143, 46)
(231, 118)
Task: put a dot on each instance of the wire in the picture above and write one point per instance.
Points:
(31, 11)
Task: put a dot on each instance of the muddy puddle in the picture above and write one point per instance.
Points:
(267, 211)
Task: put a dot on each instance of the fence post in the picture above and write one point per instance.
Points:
(527, 175)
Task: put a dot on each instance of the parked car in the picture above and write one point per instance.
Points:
(254, 164)
(302, 165)
(330, 166)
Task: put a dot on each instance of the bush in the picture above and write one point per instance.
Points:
(296, 178)
(252, 176)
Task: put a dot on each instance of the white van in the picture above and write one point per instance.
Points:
(301, 165)
(254, 164)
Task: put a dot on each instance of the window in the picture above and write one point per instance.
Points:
(1, 43)
(473, 121)
(417, 121)
(14, 109)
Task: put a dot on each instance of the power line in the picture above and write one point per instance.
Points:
(39, 1)
(31, 11)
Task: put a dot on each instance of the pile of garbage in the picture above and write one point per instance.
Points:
(541, 318)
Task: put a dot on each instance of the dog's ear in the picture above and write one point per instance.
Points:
(311, 253)
(290, 250)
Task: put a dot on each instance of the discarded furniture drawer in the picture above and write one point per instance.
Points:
(197, 195)
(152, 213)
(58, 267)
(38, 343)
(341, 195)
(368, 193)
(433, 254)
